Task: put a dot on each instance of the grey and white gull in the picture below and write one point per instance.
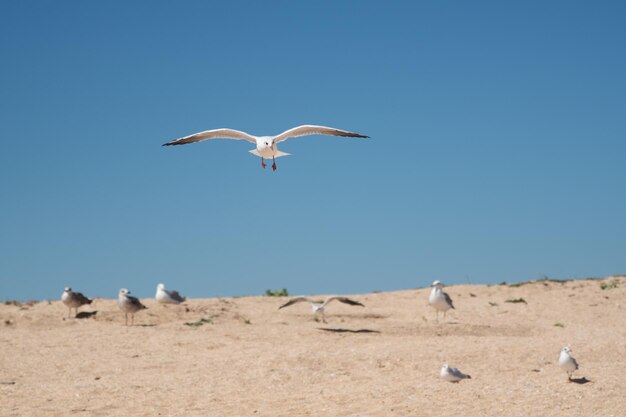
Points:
(567, 362)
(439, 299)
(73, 300)
(452, 374)
(319, 306)
(265, 146)
(129, 305)
(164, 296)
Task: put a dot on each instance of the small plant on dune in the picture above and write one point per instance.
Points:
(492, 304)
(516, 300)
(559, 325)
(199, 323)
(609, 285)
(544, 279)
(282, 292)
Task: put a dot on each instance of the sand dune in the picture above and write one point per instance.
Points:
(243, 357)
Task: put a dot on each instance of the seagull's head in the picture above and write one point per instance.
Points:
(265, 142)
(566, 350)
(161, 287)
(437, 284)
(444, 367)
(67, 289)
(124, 291)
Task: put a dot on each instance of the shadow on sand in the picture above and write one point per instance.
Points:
(580, 381)
(334, 330)
(86, 314)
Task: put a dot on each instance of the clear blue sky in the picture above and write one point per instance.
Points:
(498, 141)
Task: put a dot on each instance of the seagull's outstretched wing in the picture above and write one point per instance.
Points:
(344, 300)
(448, 299)
(295, 300)
(306, 130)
(213, 134)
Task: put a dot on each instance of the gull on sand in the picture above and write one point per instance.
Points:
(567, 362)
(164, 296)
(129, 305)
(452, 374)
(266, 146)
(439, 299)
(319, 306)
(73, 300)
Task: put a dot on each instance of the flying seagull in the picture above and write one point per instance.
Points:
(452, 374)
(319, 306)
(129, 305)
(164, 296)
(73, 300)
(266, 146)
(567, 362)
(440, 300)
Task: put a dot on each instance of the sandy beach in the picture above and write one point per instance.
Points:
(244, 357)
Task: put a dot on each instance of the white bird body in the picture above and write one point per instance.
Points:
(567, 362)
(452, 374)
(439, 299)
(265, 149)
(265, 146)
(317, 308)
(164, 296)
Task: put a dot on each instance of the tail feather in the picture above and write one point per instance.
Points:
(278, 153)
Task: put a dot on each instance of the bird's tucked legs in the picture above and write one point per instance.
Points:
(273, 164)
(263, 162)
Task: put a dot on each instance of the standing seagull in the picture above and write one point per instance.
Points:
(266, 146)
(73, 300)
(164, 296)
(439, 299)
(567, 362)
(318, 306)
(129, 304)
(452, 374)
